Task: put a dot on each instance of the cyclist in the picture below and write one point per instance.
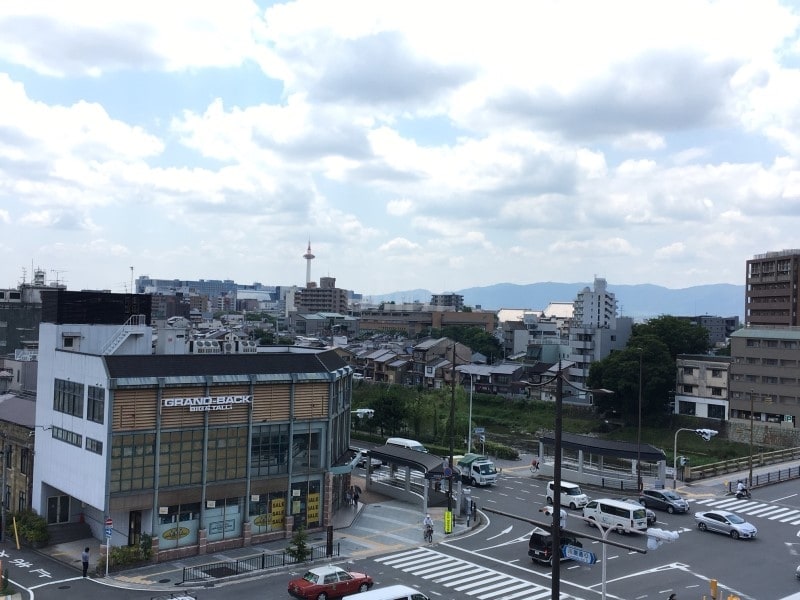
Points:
(535, 464)
(427, 526)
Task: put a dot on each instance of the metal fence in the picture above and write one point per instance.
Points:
(251, 564)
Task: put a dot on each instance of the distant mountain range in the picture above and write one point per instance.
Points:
(638, 301)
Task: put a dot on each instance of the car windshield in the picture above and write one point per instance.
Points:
(487, 469)
(311, 577)
(735, 519)
(671, 496)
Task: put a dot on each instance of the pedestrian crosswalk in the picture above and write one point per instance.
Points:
(466, 578)
(753, 508)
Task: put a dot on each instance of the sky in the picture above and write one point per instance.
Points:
(415, 144)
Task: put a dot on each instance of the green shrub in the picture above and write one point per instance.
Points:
(32, 527)
(298, 548)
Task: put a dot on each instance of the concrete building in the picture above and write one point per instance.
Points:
(772, 289)
(719, 328)
(765, 380)
(701, 386)
(595, 330)
(326, 298)
(200, 451)
(448, 299)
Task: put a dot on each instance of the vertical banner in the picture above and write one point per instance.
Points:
(448, 521)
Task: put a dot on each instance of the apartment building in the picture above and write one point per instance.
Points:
(701, 385)
(772, 289)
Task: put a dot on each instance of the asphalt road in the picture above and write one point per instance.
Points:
(492, 562)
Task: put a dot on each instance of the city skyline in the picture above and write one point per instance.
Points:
(519, 143)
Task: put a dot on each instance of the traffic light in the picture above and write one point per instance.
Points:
(683, 461)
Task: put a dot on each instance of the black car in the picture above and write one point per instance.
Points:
(667, 500)
(651, 516)
(540, 546)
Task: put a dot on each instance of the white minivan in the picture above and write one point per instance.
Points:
(406, 443)
(390, 592)
(571, 495)
(622, 516)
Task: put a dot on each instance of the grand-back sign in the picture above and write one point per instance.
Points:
(207, 403)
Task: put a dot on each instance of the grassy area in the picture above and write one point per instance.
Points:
(519, 422)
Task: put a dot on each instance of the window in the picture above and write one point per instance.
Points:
(716, 411)
(22, 502)
(687, 389)
(96, 404)
(688, 371)
(132, 462)
(70, 437)
(68, 397)
(95, 446)
(716, 372)
(24, 461)
(715, 391)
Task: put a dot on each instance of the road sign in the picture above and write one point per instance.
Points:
(480, 430)
(448, 472)
(109, 526)
(580, 555)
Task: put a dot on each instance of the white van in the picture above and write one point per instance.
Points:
(404, 443)
(623, 516)
(571, 495)
(390, 592)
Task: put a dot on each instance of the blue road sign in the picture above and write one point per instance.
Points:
(480, 430)
(580, 555)
(108, 532)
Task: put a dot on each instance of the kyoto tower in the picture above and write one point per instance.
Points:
(309, 257)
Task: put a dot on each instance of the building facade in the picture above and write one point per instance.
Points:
(199, 451)
(772, 289)
(701, 386)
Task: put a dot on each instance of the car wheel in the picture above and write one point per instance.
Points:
(701, 526)
(670, 509)
(322, 596)
(573, 506)
(472, 482)
(363, 588)
(549, 500)
(735, 534)
(591, 522)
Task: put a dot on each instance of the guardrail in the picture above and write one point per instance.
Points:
(740, 464)
(251, 564)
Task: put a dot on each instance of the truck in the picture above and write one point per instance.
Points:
(477, 470)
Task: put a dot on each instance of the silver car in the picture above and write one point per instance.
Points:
(725, 522)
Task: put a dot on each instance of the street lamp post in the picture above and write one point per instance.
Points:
(750, 461)
(639, 485)
(706, 434)
(469, 423)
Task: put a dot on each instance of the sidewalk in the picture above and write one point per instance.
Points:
(378, 525)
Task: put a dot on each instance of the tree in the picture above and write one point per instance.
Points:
(679, 335)
(619, 372)
(298, 548)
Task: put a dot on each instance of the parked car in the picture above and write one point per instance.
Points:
(667, 500)
(725, 522)
(651, 516)
(363, 458)
(321, 583)
(540, 546)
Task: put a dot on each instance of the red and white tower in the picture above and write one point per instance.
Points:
(309, 257)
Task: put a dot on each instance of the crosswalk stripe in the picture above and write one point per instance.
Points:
(465, 577)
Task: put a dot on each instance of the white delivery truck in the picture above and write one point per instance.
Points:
(477, 470)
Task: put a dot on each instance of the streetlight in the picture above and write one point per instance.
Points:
(469, 422)
(639, 430)
(750, 461)
(706, 434)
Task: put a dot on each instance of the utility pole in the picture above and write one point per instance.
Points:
(452, 430)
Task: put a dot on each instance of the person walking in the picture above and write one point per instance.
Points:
(85, 560)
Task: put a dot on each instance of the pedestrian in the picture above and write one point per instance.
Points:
(355, 497)
(85, 560)
(348, 496)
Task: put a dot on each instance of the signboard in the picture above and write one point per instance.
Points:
(109, 527)
(580, 555)
(480, 430)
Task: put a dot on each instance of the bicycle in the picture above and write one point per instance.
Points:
(428, 534)
(534, 466)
